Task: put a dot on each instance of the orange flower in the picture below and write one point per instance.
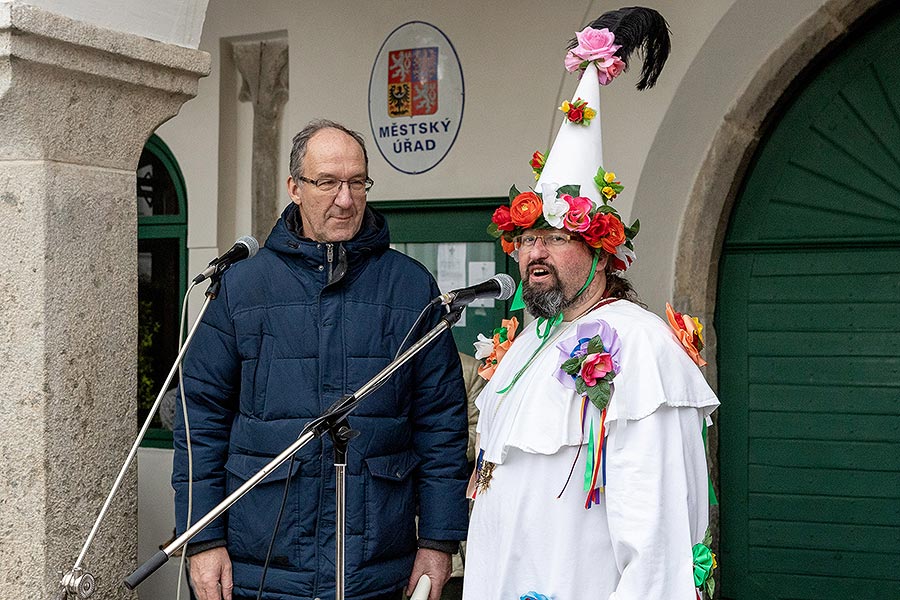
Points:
(508, 247)
(525, 209)
(503, 339)
(615, 237)
(688, 331)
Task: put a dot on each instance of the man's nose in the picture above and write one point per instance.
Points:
(539, 248)
(344, 198)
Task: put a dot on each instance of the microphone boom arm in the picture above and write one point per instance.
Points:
(316, 428)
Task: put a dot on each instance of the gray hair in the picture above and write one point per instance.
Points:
(301, 140)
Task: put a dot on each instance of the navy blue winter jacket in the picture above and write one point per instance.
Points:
(292, 330)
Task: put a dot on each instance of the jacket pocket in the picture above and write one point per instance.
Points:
(390, 506)
(251, 519)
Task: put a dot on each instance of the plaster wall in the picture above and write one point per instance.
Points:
(511, 57)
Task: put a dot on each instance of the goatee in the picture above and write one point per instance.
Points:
(545, 303)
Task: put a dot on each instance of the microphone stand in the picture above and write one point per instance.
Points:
(334, 422)
(78, 582)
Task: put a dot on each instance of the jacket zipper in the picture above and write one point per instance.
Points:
(329, 253)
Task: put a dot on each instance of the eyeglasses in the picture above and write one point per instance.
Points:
(329, 184)
(551, 240)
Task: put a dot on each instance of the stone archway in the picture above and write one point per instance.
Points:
(712, 197)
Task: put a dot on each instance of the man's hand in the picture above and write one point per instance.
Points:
(211, 574)
(436, 565)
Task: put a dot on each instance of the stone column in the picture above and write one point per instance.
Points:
(263, 64)
(76, 105)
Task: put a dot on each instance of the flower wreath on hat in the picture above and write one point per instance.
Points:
(599, 225)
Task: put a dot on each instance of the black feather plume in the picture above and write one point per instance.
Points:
(638, 29)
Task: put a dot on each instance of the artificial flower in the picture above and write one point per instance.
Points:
(594, 234)
(578, 111)
(704, 565)
(538, 160)
(483, 346)
(595, 366)
(502, 219)
(593, 44)
(508, 247)
(623, 258)
(525, 209)
(609, 70)
(578, 217)
(598, 345)
(555, 208)
(609, 187)
(615, 236)
(501, 340)
(689, 332)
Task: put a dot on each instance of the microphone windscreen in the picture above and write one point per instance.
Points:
(507, 286)
(251, 243)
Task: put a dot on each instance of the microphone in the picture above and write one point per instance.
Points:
(245, 247)
(498, 287)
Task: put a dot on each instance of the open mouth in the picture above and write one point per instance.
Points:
(539, 273)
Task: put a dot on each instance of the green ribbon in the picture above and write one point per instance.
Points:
(589, 464)
(542, 329)
(703, 564)
(713, 501)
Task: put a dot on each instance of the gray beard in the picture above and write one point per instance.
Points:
(545, 303)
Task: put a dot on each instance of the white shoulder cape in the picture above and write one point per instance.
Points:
(540, 415)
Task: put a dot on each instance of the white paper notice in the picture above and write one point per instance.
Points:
(481, 271)
(451, 270)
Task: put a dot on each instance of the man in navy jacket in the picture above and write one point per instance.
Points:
(319, 311)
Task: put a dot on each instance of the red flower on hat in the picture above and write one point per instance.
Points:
(538, 159)
(615, 236)
(593, 237)
(502, 219)
(525, 209)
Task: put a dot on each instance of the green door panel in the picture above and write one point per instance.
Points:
(808, 324)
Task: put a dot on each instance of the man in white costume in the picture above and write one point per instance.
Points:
(592, 477)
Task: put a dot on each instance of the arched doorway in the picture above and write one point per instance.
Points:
(808, 323)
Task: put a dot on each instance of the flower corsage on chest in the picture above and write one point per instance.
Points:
(589, 361)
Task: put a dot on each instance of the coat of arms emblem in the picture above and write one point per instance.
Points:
(412, 82)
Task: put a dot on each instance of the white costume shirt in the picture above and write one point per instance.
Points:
(637, 543)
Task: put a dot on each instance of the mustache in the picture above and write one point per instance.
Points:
(541, 263)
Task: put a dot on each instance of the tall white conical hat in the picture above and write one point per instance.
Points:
(577, 152)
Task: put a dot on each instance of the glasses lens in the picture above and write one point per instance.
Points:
(555, 239)
(327, 185)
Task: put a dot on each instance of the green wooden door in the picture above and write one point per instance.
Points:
(808, 321)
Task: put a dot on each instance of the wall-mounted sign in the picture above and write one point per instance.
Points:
(416, 97)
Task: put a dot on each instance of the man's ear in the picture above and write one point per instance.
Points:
(602, 261)
(293, 190)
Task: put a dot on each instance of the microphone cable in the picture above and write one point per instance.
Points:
(284, 497)
(187, 438)
(414, 327)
